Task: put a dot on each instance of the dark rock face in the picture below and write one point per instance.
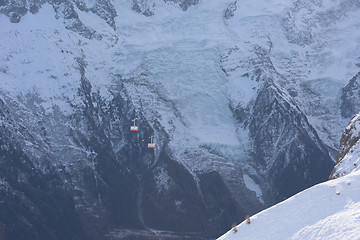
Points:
(160, 213)
(16, 9)
(103, 8)
(304, 10)
(229, 13)
(286, 150)
(184, 4)
(350, 142)
(147, 8)
(141, 6)
(348, 139)
(218, 202)
(130, 189)
(34, 205)
(351, 97)
(112, 182)
(210, 208)
(286, 145)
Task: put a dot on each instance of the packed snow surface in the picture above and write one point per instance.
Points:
(329, 210)
(251, 185)
(351, 161)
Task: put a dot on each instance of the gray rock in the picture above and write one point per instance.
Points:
(350, 98)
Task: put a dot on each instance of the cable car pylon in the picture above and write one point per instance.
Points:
(134, 128)
(151, 144)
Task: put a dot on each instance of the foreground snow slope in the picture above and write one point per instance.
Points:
(329, 210)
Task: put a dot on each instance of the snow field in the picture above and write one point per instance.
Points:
(328, 210)
(33, 62)
(251, 185)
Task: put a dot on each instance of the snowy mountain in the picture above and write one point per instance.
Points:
(348, 156)
(246, 104)
(329, 210)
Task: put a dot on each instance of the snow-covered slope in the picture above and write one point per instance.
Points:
(348, 158)
(330, 210)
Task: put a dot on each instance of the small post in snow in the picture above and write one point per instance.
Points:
(248, 219)
(234, 228)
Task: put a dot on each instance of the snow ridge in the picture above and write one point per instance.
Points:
(328, 210)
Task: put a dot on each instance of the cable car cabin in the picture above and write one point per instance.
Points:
(134, 128)
(151, 144)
